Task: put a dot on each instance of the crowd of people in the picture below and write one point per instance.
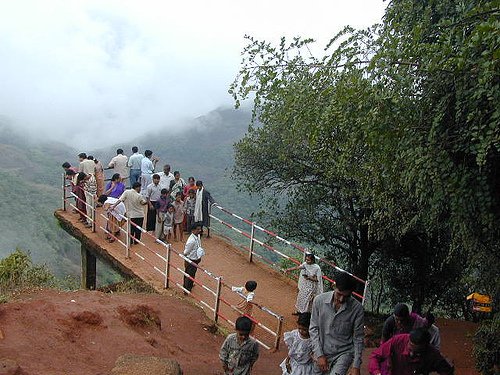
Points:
(329, 338)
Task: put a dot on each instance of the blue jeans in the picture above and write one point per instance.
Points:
(135, 176)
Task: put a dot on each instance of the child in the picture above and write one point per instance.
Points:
(168, 223)
(239, 352)
(161, 210)
(246, 305)
(189, 204)
(178, 217)
(299, 359)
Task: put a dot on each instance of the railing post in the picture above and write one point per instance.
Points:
(167, 266)
(217, 299)
(250, 252)
(365, 291)
(278, 333)
(127, 248)
(64, 192)
(94, 226)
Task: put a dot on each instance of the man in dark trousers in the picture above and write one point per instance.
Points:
(201, 208)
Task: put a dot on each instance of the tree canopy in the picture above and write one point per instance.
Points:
(388, 144)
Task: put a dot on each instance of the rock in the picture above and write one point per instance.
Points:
(10, 367)
(129, 364)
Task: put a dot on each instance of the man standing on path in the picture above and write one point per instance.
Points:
(134, 163)
(119, 164)
(337, 329)
(153, 193)
(148, 164)
(201, 209)
(135, 203)
(193, 253)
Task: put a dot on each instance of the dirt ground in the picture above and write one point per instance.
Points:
(84, 332)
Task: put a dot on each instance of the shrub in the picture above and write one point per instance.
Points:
(18, 272)
(487, 346)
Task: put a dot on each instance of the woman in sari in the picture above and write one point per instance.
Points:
(310, 283)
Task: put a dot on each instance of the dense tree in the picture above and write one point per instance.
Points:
(392, 134)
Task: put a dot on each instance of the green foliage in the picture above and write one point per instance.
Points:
(392, 134)
(487, 346)
(18, 272)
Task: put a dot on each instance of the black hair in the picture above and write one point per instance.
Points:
(102, 198)
(135, 149)
(420, 336)
(178, 194)
(243, 324)
(344, 282)
(119, 151)
(177, 172)
(81, 176)
(148, 153)
(304, 319)
(251, 285)
(66, 165)
(90, 157)
(199, 183)
(191, 178)
(164, 191)
(156, 175)
(196, 224)
(70, 172)
(431, 319)
(136, 185)
(82, 155)
(401, 310)
(115, 177)
(311, 255)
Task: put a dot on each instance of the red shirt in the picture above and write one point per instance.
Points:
(393, 357)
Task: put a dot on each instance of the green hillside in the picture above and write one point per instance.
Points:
(30, 180)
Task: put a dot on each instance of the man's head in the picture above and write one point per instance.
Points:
(156, 179)
(401, 315)
(344, 286)
(243, 326)
(164, 192)
(166, 168)
(119, 151)
(197, 228)
(102, 198)
(148, 153)
(177, 175)
(136, 186)
(431, 319)
(82, 156)
(66, 165)
(135, 149)
(199, 183)
(419, 342)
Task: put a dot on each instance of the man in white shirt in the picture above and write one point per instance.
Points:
(148, 164)
(119, 164)
(165, 177)
(87, 166)
(135, 203)
(433, 330)
(153, 193)
(192, 253)
(134, 163)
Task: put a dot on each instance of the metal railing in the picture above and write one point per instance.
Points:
(250, 233)
(213, 294)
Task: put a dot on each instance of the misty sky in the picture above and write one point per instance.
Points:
(94, 73)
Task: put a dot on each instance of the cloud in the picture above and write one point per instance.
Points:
(93, 73)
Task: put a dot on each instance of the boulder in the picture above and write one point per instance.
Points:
(130, 364)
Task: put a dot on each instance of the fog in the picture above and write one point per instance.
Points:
(94, 73)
